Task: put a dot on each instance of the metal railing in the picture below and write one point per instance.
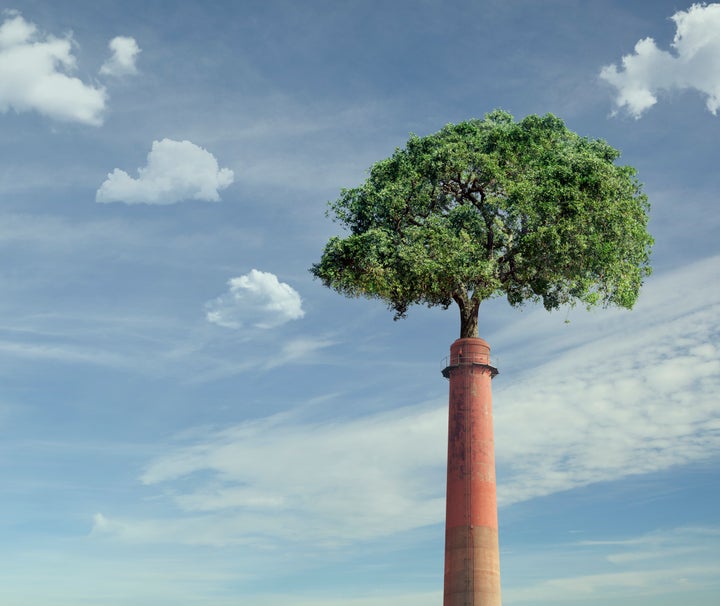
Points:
(471, 358)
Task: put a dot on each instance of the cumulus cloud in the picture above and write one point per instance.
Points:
(258, 299)
(694, 64)
(175, 171)
(122, 61)
(34, 75)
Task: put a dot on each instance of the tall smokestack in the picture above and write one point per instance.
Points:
(472, 555)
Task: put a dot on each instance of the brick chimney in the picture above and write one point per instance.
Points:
(472, 557)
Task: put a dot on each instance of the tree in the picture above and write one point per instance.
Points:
(492, 207)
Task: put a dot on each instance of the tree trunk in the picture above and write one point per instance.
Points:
(468, 317)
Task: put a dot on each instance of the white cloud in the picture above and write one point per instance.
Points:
(679, 543)
(615, 585)
(642, 397)
(124, 54)
(408, 599)
(661, 563)
(34, 76)
(258, 299)
(695, 63)
(66, 353)
(175, 171)
(328, 481)
(297, 350)
(638, 394)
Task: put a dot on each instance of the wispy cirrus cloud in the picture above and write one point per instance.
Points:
(605, 586)
(63, 352)
(329, 482)
(694, 64)
(640, 397)
(298, 351)
(638, 568)
(175, 171)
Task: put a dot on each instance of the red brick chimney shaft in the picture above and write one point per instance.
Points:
(472, 558)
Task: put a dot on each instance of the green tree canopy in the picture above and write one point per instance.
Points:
(529, 210)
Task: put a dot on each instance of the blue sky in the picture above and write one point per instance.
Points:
(186, 417)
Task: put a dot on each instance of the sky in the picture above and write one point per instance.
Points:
(188, 417)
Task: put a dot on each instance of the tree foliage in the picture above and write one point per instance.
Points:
(529, 210)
